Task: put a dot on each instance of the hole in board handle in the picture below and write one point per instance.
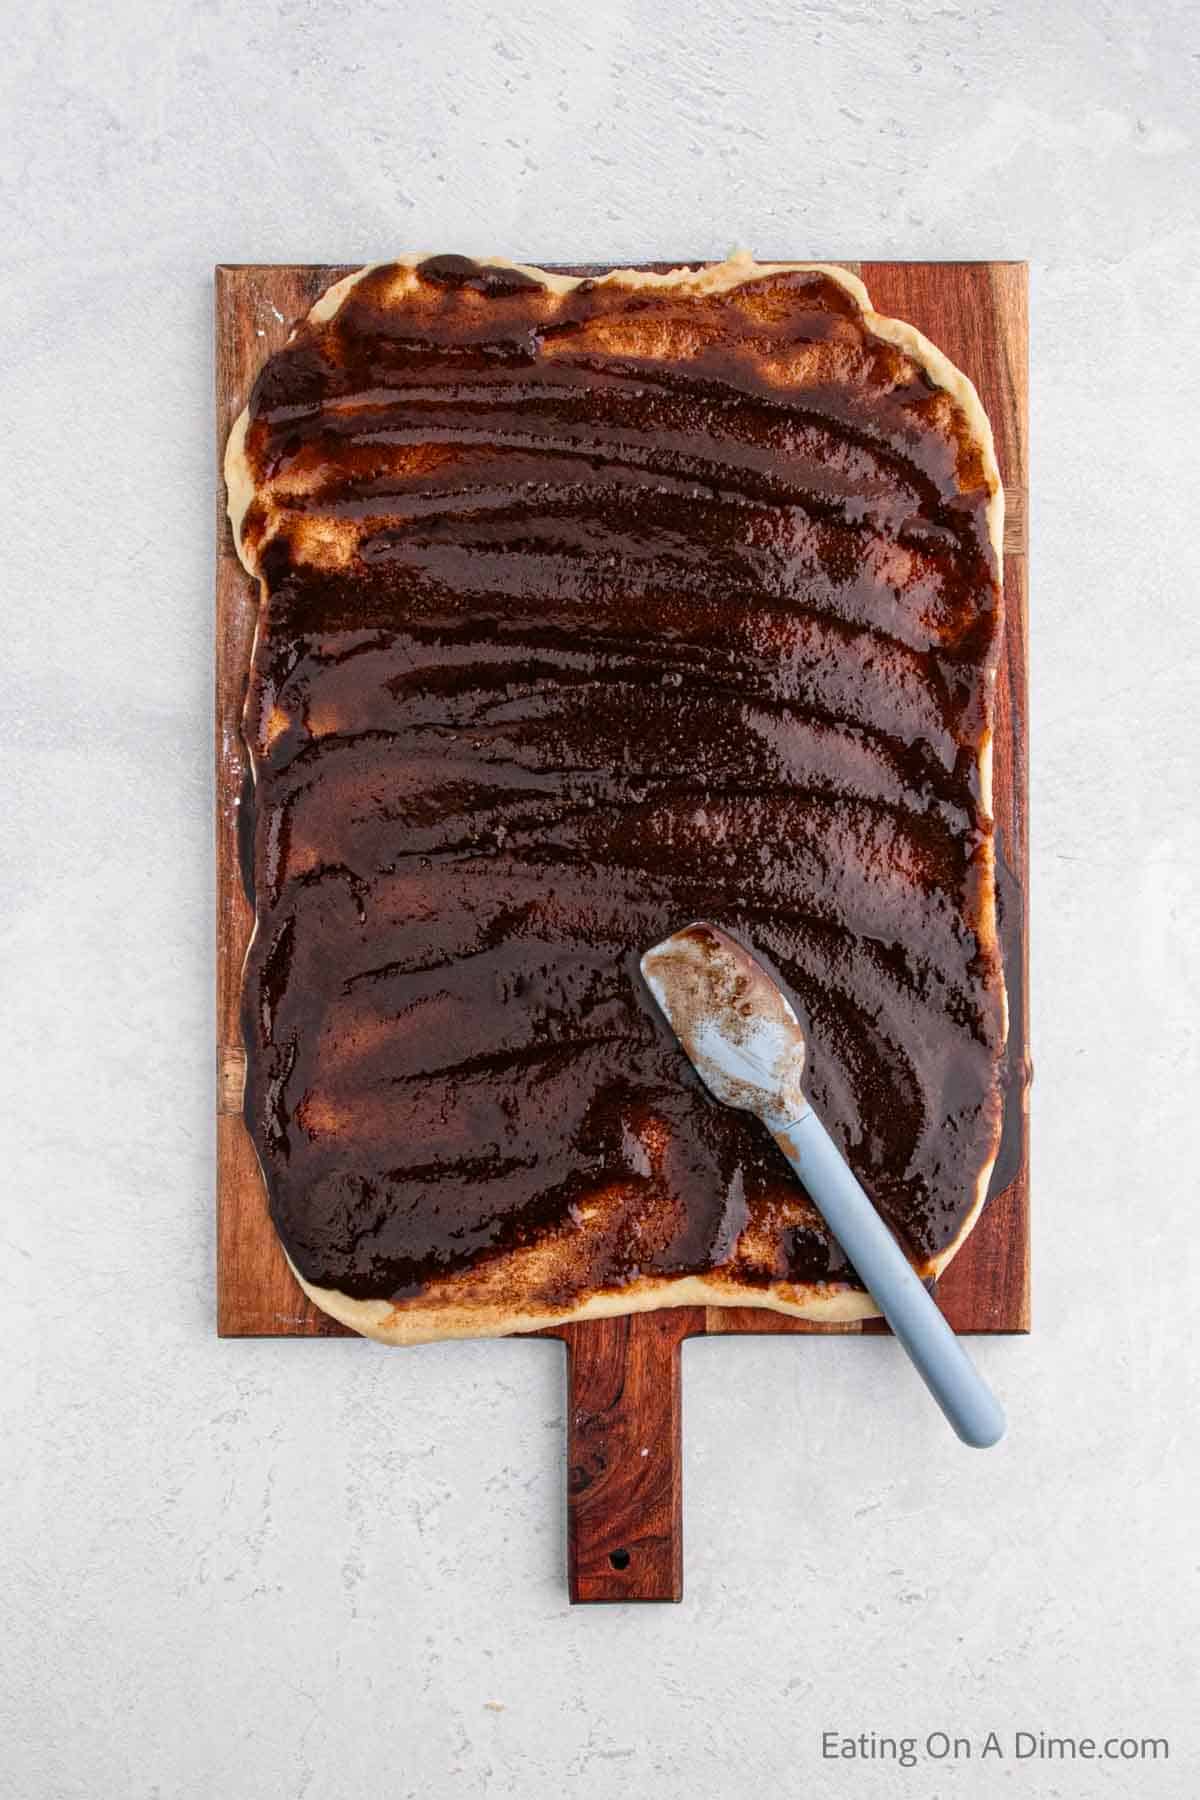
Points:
(619, 1559)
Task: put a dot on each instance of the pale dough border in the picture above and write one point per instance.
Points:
(439, 1314)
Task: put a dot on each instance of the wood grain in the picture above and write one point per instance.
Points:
(624, 1432)
(625, 1456)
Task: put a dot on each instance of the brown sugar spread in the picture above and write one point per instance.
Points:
(584, 613)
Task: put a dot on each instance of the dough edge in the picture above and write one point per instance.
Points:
(426, 1319)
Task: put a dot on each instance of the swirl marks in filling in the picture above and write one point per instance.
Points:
(586, 610)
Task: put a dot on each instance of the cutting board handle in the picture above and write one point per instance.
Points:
(624, 1450)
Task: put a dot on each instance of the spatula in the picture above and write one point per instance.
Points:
(747, 1046)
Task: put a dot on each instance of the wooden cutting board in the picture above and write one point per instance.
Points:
(624, 1447)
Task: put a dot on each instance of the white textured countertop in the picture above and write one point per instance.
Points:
(319, 1570)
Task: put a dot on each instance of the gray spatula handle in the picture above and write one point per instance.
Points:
(943, 1364)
